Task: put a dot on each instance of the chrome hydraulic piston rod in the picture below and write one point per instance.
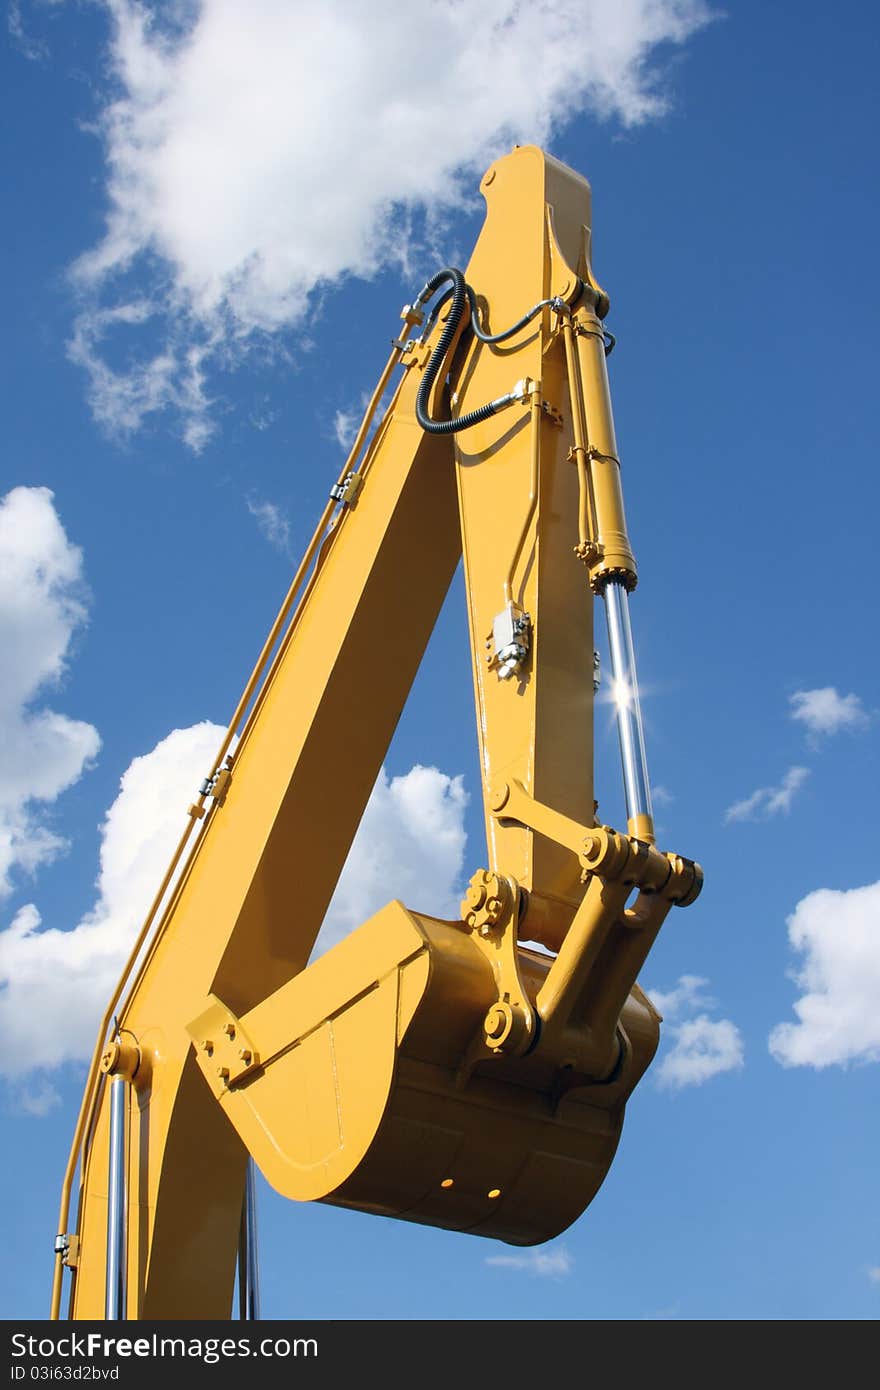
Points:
(248, 1264)
(114, 1300)
(625, 693)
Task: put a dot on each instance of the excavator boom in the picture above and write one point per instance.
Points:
(468, 1074)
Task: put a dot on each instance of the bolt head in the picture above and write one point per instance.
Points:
(498, 796)
(497, 1023)
(592, 848)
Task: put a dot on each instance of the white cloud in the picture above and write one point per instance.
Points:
(256, 153)
(171, 377)
(662, 796)
(37, 1099)
(345, 427)
(701, 1047)
(41, 608)
(272, 521)
(837, 935)
(54, 985)
(409, 845)
(824, 711)
(552, 1264)
(768, 801)
(684, 998)
(874, 1274)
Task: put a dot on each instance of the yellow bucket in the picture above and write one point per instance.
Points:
(378, 1104)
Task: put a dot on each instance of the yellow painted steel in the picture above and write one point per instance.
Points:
(442, 1072)
(403, 1132)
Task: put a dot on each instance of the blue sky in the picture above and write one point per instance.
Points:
(207, 243)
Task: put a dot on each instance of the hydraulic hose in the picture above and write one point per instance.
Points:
(459, 294)
(439, 355)
(485, 337)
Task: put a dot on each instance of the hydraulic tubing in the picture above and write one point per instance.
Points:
(248, 1261)
(625, 692)
(114, 1298)
(459, 297)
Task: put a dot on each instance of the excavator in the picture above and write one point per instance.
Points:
(468, 1074)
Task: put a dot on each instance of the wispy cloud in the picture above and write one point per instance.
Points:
(668, 1314)
(824, 711)
(35, 49)
(874, 1274)
(836, 934)
(686, 996)
(231, 188)
(272, 521)
(768, 801)
(544, 1264)
(262, 416)
(345, 425)
(121, 398)
(701, 1047)
(37, 1100)
(42, 607)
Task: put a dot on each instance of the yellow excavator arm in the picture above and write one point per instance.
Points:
(468, 1074)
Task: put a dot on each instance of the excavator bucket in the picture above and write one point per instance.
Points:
(387, 1103)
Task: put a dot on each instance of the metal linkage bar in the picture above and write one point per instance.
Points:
(625, 692)
(115, 1295)
(248, 1261)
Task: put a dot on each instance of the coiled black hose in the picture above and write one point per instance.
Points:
(458, 294)
(438, 357)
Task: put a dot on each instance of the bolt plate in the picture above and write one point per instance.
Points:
(231, 1054)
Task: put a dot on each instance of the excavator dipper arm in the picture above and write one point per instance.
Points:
(468, 1074)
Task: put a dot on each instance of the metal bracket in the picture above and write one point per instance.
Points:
(221, 785)
(602, 850)
(491, 910)
(581, 1001)
(122, 1056)
(215, 787)
(67, 1246)
(417, 353)
(511, 640)
(346, 491)
(225, 1052)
